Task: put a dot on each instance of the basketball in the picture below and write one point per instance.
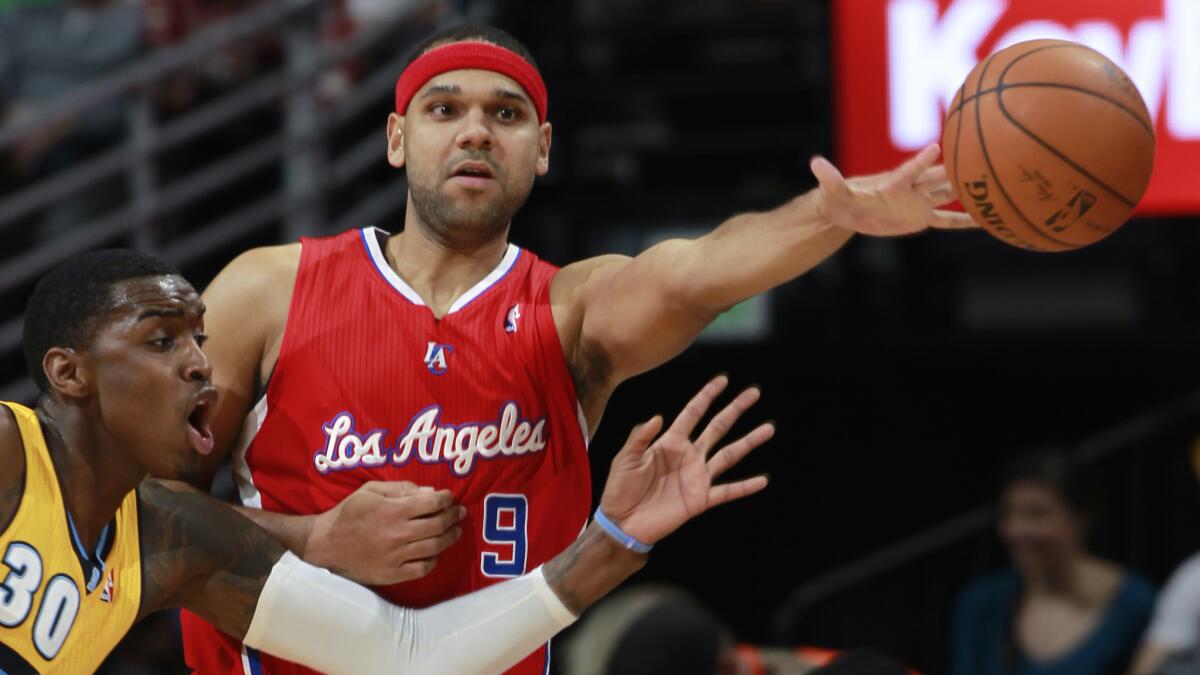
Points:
(1049, 145)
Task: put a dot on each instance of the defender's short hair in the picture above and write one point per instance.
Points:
(63, 309)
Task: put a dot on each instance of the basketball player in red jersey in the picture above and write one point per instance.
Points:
(355, 367)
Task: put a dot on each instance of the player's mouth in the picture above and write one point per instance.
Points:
(200, 412)
(473, 174)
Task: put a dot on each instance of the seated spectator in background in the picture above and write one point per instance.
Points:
(650, 630)
(1172, 644)
(1059, 610)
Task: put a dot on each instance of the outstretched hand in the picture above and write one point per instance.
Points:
(897, 202)
(655, 486)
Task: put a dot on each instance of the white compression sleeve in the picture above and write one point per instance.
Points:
(310, 615)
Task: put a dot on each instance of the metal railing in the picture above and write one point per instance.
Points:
(297, 148)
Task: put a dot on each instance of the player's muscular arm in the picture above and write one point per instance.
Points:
(631, 314)
(618, 316)
(200, 554)
(247, 306)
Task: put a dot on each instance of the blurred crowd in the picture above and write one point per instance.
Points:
(54, 48)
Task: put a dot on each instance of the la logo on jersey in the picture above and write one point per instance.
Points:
(435, 357)
(510, 320)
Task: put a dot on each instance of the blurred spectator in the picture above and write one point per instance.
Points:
(650, 630)
(1060, 610)
(1172, 644)
(48, 50)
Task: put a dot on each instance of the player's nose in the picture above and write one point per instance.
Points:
(196, 365)
(475, 132)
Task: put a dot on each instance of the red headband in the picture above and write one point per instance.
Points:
(473, 55)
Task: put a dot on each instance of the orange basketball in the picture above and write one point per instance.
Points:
(1049, 145)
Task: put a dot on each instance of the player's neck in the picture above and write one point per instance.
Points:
(438, 273)
(92, 472)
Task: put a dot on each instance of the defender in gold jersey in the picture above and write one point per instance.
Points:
(113, 340)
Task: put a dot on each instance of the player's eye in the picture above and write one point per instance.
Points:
(200, 338)
(441, 110)
(165, 342)
(507, 114)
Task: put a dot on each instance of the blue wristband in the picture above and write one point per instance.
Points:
(627, 541)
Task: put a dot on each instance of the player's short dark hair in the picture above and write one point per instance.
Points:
(63, 308)
(1052, 466)
(472, 31)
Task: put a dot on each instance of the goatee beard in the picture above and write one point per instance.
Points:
(464, 226)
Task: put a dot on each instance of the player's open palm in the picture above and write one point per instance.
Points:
(897, 202)
(654, 486)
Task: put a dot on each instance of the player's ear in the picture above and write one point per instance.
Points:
(395, 136)
(543, 158)
(67, 372)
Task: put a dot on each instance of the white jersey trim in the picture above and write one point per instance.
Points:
(511, 254)
(242, 476)
(583, 428)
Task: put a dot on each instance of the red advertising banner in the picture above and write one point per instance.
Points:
(899, 62)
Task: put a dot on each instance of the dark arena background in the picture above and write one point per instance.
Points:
(903, 373)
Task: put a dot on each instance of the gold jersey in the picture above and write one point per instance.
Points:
(62, 609)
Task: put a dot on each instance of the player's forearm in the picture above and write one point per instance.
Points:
(590, 568)
(311, 616)
(296, 533)
(753, 252)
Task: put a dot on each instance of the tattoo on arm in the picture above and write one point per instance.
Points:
(590, 568)
(200, 554)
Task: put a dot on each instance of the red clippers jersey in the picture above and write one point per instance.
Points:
(370, 386)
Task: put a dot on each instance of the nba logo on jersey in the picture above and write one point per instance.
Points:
(107, 594)
(510, 320)
(435, 357)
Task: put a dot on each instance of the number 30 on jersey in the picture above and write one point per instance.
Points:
(60, 601)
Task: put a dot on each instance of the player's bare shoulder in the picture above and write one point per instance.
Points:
(264, 274)
(247, 306)
(12, 458)
(572, 286)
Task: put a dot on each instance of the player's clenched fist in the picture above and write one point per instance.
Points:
(385, 532)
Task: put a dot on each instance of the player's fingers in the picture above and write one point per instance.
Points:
(424, 503)
(694, 411)
(733, 453)
(389, 488)
(720, 494)
(942, 194)
(723, 421)
(934, 174)
(830, 179)
(640, 437)
(430, 546)
(910, 172)
(415, 569)
(435, 524)
(951, 220)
